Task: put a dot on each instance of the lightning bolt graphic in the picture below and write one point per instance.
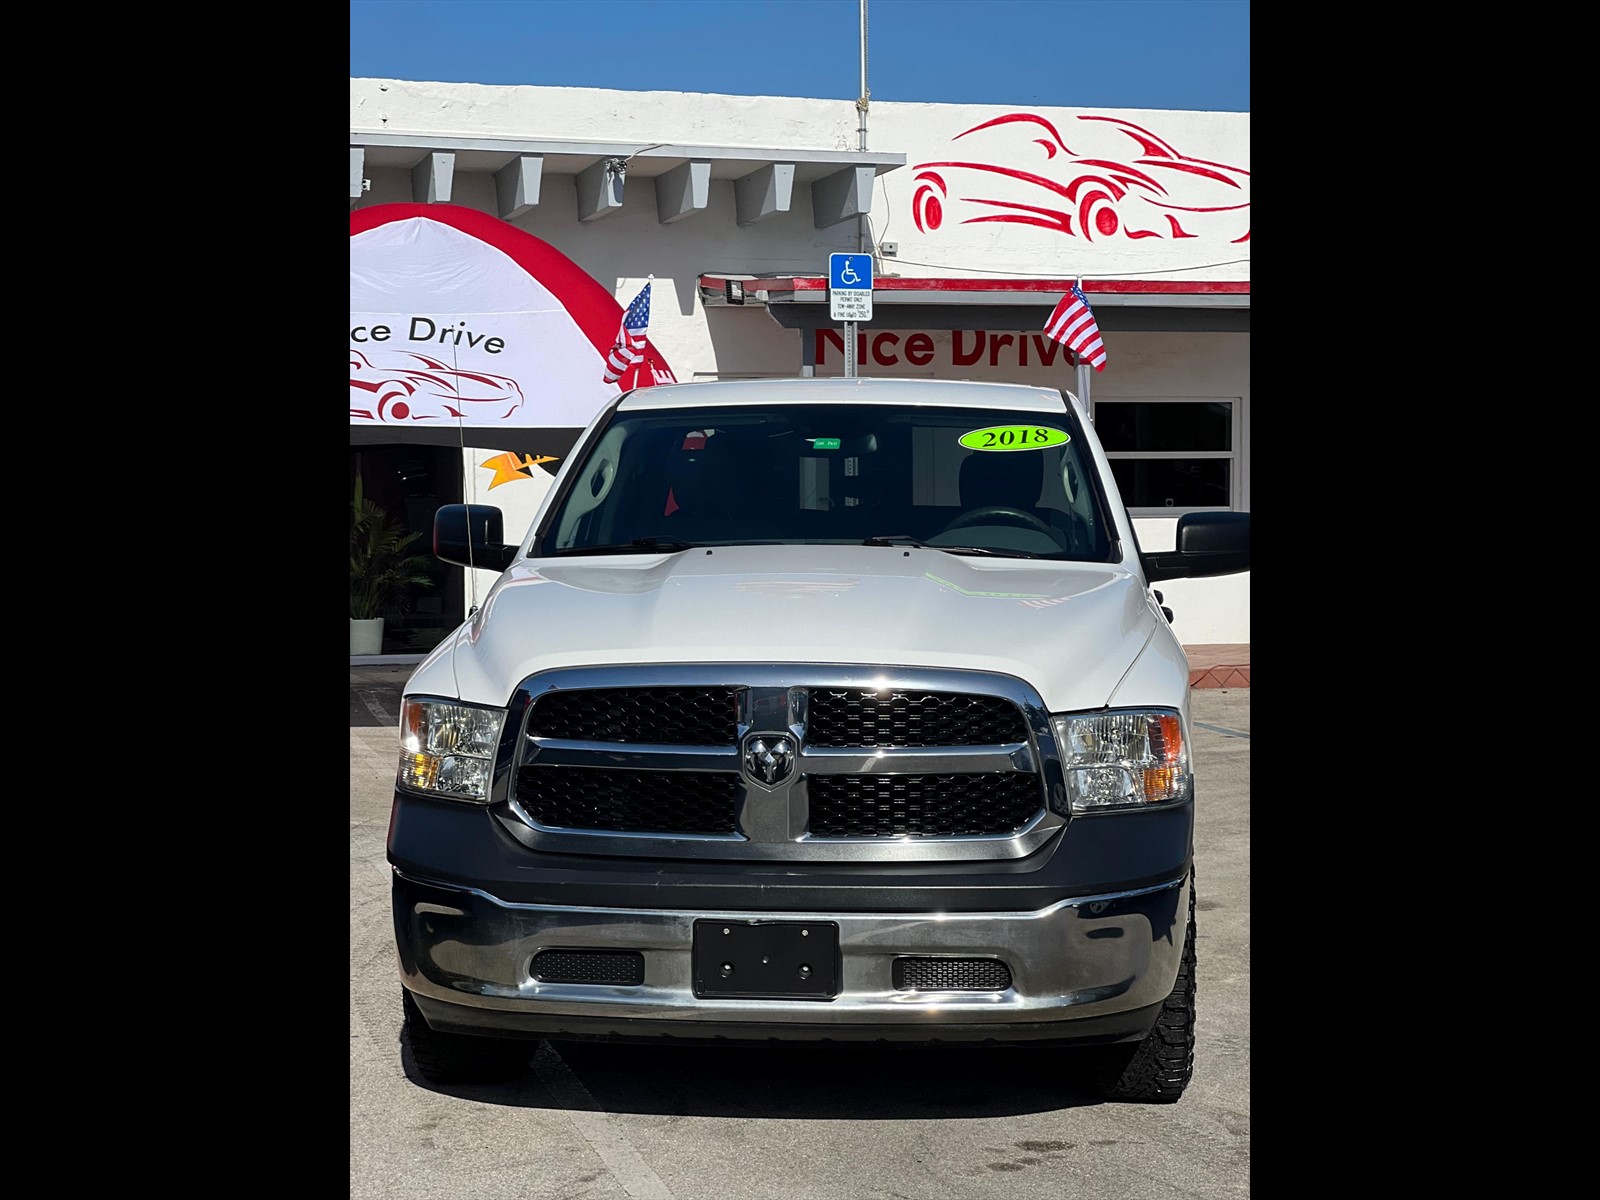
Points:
(508, 467)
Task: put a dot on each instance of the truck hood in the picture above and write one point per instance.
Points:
(1071, 630)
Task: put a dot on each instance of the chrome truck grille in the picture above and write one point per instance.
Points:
(760, 762)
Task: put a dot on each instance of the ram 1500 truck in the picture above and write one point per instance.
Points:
(813, 709)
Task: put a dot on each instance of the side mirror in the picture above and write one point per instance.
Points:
(1212, 543)
(470, 535)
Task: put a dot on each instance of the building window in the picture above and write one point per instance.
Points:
(1172, 455)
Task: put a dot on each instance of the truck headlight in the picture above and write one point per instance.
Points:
(447, 749)
(1116, 760)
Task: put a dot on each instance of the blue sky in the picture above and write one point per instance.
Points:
(1175, 54)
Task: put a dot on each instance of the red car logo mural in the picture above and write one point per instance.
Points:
(1156, 193)
(418, 387)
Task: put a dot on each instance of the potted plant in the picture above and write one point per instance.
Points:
(382, 569)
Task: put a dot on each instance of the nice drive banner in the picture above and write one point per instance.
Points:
(457, 318)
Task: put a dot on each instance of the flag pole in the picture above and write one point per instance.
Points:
(644, 359)
(1083, 373)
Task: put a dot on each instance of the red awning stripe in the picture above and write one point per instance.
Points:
(819, 283)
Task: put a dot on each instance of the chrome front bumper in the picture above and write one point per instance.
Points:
(467, 955)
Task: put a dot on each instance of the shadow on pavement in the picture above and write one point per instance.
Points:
(843, 1083)
(375, 694)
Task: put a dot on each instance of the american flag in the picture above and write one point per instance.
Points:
(630, 338)
(1072, 324)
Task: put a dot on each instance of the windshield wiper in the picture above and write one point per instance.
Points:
(640, 545)
(986, 550)
(895, 539)
(905, 539)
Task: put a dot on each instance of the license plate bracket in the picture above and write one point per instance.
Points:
(766, 960)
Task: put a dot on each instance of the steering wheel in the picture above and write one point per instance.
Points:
(1012, 516)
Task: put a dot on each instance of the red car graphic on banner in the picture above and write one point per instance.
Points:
(407, 386)
(1155, 192)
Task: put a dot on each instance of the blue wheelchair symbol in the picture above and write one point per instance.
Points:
(845, 274)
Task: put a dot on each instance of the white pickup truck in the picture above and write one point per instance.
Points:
(812, 709)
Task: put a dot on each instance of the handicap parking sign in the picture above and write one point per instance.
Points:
(850, 287)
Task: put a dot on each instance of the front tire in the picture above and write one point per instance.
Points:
(461, 1057)
(1157, 1069)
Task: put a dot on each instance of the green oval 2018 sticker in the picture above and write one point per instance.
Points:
(1013, 437)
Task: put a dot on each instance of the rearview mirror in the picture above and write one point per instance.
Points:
(470, 535)
(1209, 543)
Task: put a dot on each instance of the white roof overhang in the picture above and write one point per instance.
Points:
(840, 181)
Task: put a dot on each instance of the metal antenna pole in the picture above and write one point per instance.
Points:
(1083, 378)
(861, 124)
(861, 101)
(861, 221)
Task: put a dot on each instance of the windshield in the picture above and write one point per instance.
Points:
(964, 480)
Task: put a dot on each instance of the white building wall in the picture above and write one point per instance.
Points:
(928, 134)
(600, 114)
(623, 248)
